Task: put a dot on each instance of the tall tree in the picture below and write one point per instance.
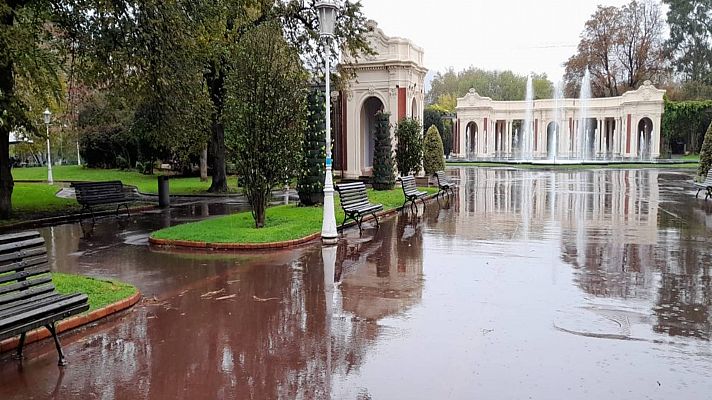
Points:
(690, 40)
(29, 62)
(266, 112)
(228, 20)
(499, 85)
(621, 48)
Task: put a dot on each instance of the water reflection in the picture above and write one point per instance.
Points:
(613, 229)
(506, 291)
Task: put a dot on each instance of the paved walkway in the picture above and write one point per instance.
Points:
(528, 284)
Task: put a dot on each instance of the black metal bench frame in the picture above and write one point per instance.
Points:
(355, 203)
(411, 192)
(445, 186)
(706, 185)
(28, 299)
(91, 194)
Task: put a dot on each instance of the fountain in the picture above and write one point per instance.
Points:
(553, 145)
(527, 129)
(584, 97)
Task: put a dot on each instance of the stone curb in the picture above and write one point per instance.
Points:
(189, 244)
(71, 323)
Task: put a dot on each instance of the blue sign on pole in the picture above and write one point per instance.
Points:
(328, 161)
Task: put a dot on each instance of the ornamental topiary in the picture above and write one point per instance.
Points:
(706, 154)
(310, 185)
(409, 151)
(433, 158)
(383, 176)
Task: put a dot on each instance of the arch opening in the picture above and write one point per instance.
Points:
(471, 131)
(645, 134)
(552, 139)
(371, 106)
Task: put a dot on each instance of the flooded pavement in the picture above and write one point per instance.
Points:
(528, 284)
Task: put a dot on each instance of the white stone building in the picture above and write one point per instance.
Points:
(624, 127)
(392, 81)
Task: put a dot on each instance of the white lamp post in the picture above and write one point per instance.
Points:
(47, 119)
(327, 20)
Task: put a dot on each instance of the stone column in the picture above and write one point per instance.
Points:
(599, 134)
(508, 138)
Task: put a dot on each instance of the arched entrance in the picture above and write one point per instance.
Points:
(414, 109)
(587, 138)
(471, 139)
(552, 139)
(645, 134)
(371, 106)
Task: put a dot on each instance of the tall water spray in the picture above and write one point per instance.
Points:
(584, 98)
(553, 141)
(528, 128)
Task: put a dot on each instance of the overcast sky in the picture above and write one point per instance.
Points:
(521, 35)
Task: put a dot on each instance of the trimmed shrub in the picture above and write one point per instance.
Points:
(706, 154)
(433, 159)
(383, 176)
(409, 151)
(310, 185)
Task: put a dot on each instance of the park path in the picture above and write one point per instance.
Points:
(527, 284)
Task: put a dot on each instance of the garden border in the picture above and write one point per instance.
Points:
(189, 244)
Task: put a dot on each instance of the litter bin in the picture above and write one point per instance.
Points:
(164, 198)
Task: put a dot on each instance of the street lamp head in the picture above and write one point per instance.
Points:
(327, 17)
(47, 116)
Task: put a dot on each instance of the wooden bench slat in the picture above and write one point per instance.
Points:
(38, 293)
(16, 237)
(25, 295)
(49, 318)
(68, 301)
(26, 263)
(24, 285)
(31, 252)
(21, 245)
(24, 274)
(35, 302)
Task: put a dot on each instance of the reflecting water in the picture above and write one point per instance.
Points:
(580, 284)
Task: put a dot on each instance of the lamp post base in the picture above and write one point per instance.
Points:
(329, 235)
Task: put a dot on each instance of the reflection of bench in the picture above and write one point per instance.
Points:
(90, 194)
(354, 201)
(411, 192)
(706, 185)
(28, 299)
(444, 184)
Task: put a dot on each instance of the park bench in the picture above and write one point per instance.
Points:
(90, 194)
(706, 185)
(28, 299)
(355, 203)
(411, 192)
(444, 184)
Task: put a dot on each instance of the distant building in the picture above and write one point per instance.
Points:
(391, 80)
(624, 127)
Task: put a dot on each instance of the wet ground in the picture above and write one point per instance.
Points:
(528, 284)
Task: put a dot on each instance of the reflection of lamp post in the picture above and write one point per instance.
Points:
(327, 20)
(47, 118)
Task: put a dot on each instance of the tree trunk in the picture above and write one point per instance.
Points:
(6, 181)
(219, 184)
(7, 94)
(216, 87)
(204, 164)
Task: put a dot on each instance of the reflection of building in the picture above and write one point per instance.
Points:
(605, 220)
(391, 80)
(627, 126)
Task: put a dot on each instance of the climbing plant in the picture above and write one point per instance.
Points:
(686, 121)
(383, 176)
(310, 185)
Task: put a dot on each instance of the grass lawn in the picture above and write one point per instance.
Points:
(101, 292)
(282, 222)
(144, 183)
